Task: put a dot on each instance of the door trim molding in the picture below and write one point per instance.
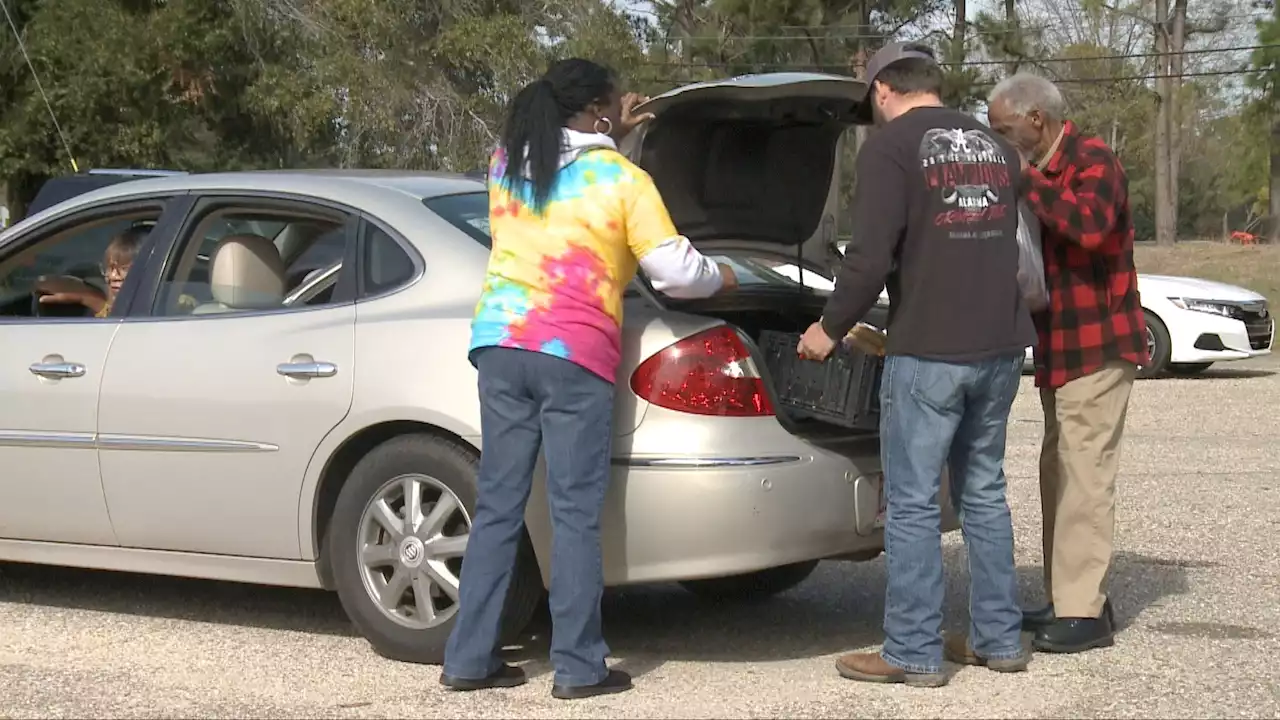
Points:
(48, 439)
(112, 441)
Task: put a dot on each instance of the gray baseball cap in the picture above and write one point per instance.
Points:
(884, 57)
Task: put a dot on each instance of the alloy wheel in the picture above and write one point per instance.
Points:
(412, 536)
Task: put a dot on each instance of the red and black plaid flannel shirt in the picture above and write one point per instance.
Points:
(1094, 316)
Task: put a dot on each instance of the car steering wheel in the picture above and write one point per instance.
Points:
(43, 310)
(39, 309)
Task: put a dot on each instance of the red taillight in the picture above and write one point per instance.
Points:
(710, 373)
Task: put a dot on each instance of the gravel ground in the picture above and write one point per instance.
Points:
(1195, 584)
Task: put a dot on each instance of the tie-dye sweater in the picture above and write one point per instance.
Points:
(555, 280)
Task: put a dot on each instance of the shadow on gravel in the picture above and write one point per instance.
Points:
(839, 608)
(1223, 373)
(272, 608)
(1137, 582)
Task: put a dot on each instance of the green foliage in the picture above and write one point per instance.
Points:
(228, 84)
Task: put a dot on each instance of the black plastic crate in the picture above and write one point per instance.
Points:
(844, 390)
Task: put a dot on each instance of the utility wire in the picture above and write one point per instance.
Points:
(969, 63)
(1114, 78)
(1120, 78)
(965, 63)
(872, 32)
(818, 35)
(75, 167)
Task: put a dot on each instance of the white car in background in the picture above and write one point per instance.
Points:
(1191, 323)
(1194, 323)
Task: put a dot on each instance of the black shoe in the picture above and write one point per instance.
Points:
(507, 676)
(615, 682)
(1073, 635)
(1033, 620)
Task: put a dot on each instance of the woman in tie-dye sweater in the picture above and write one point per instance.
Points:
(571, 221)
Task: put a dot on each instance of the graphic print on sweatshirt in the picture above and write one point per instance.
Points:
(969, 171)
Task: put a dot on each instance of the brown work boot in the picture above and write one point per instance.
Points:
(871, 667)
(955, 648)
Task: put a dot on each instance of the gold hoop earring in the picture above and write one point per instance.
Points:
(608, 126)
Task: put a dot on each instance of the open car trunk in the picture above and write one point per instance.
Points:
(751, 166)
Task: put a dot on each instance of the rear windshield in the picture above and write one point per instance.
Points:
(469, 212)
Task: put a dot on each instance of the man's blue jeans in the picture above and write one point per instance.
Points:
(531, 401)
(931, 414)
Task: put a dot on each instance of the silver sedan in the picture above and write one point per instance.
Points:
(280, 393)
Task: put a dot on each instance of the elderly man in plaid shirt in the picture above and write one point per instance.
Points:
(1092, 337)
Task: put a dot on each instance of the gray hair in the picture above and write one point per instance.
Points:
(1024, 92)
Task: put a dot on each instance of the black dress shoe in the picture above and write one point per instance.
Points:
(615, 682)
(1073, 635)
(507, 676)
(1033, 620)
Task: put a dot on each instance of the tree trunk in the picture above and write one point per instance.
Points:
(1165, 230)
(20, 190)
(1273, 231)
(957, 38)
(682, 29)
(1011, 19)
(1177, 43)
(861, 55)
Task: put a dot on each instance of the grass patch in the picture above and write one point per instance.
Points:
(1256, 267)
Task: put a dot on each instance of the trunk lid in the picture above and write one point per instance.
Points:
(752, 163)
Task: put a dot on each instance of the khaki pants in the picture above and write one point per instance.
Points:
(1083, 422)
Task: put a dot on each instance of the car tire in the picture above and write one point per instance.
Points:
(1158, 346)
(752, 586)
(442, 465)
(1189, 368)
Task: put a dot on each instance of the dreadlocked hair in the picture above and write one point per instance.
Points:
(536, 118)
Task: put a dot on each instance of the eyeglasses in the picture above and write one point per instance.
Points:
(119, 270)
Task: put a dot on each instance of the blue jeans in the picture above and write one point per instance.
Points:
(931, 414)
(531, 401)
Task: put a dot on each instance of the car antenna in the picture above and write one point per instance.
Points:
(39, 86)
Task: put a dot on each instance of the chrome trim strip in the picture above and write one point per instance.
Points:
(19, 438)
(178, 444)
(89, 441)
(705, 462)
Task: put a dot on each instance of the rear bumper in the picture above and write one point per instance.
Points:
(719, 516)
(664, 524)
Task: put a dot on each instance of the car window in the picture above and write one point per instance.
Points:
(75, 252)
(387, 265)
(230, 261)
(324, 251)
(469, 212)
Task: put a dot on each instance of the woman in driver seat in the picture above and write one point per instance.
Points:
(116, 262)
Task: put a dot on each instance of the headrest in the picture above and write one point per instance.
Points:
(246, 273)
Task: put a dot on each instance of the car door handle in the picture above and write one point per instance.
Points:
(56, 370)
(307, 369)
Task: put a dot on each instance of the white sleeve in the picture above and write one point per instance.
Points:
(677, 269)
